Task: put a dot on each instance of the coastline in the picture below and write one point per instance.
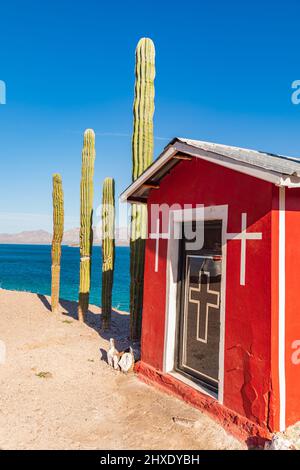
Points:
(57, 391)
(95, 309)
(28, 268)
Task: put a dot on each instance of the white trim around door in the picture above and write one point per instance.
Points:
(176, 217)
(281, 320)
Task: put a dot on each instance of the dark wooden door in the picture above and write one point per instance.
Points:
(198, 336)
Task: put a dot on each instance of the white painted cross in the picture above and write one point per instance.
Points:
(214, 295)
(243, 236)
(156, 236)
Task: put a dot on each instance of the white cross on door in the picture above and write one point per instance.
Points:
(211, 295)
(156, 236)
(243, 236)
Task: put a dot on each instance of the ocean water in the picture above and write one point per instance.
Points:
(28, 268)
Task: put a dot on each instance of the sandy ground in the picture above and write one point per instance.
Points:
(57, 391)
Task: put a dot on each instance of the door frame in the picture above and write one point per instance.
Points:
(176, 218)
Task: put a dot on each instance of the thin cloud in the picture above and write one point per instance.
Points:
(112, 134)
(15, 222)
(121, 134)
(117, 134)
(28, 215)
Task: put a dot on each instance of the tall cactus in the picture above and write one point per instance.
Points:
(108, 249)
(86, 220)
(58, 231)
(142, 156)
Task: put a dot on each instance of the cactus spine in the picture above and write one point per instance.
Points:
(108, 249)
(58, 231)
(142, 157)
(86, 220)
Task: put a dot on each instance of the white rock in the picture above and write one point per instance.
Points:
(279, 442)
(113, 355)
(126, 362)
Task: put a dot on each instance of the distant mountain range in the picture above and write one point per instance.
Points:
(71, 237)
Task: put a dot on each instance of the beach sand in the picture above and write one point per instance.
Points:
(57, 391)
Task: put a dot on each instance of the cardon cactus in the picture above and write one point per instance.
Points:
(58, 231)
(86, 220)
(108, 249)
(142, 157)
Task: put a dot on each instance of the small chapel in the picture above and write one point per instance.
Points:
(221, 316)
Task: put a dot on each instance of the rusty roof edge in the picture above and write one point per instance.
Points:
(164, 157)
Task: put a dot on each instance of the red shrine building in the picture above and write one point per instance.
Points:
(221, 311)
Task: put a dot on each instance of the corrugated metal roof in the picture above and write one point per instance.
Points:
(277, 169)
(269, 161)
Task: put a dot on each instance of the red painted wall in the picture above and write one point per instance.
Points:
(292, 362)
(248, 384)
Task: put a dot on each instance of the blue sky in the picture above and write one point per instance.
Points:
(224, 74)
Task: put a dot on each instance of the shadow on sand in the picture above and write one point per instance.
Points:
(119, 329)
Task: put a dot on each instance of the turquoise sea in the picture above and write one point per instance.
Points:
(28, 268)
